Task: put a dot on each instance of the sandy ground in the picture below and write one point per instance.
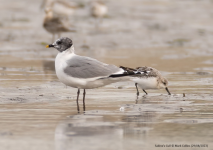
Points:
(39, 112)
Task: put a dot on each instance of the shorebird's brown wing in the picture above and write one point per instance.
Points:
(141, 72)
(55, 25)
(148, 71)
(128, 70)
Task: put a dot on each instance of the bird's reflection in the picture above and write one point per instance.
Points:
(87, 132)
(97, 130)
(141, 100)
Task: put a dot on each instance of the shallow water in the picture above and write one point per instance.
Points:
(39, 112)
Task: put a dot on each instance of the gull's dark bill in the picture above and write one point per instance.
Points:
(48, 46)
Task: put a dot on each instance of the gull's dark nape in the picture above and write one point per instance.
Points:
(63, 44)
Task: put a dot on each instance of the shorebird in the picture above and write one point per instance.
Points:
(55, 25)
(98, 9)
(148, 78)
(60, 8)
(82, 72)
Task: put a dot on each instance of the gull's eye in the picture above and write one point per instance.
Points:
(59, 42)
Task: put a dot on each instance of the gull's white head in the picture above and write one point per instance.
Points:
(62, 44)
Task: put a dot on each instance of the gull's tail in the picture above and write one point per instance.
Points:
(129, 72)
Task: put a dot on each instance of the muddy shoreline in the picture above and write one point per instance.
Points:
(39, 112)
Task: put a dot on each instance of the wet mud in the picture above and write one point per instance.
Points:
(39, 112)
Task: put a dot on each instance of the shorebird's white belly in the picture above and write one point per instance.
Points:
(146, 83)
(81, 83)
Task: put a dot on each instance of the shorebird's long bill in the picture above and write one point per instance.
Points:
(168, 91)
(48, 46)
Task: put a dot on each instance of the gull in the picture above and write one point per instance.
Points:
(148, 78)
(82, 72)
(55, 25)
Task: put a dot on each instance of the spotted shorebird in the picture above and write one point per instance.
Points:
(55, 25)
(148, 78)
(83, 72)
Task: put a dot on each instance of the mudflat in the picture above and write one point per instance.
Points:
(38, 112)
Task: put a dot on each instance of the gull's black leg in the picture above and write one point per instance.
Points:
(137, 89)
(168, 91)
(77, 100)
(84, 99)
(145, 92)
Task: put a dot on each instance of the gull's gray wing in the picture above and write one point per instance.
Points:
(85, 67)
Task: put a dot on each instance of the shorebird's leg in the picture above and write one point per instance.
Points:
(168, 91)
(84, 99)
(137, 89)
(145, 92)
(77, 100)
